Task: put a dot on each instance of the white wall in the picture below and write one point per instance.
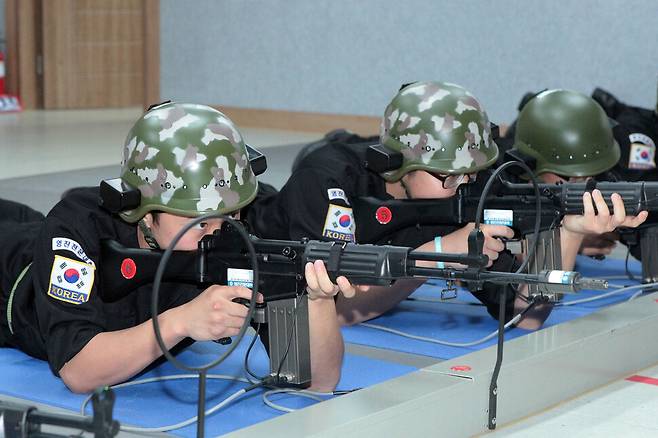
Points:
(347, 56)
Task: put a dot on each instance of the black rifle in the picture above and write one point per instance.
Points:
(510, 204)
(223, 258)
(281, 266)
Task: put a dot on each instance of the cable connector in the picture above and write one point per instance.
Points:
(275, 381)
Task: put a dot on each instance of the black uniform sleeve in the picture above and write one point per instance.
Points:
(68, 308)
(316, 206)
(637, 134)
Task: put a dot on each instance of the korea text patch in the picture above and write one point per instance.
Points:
(71, 280)
(339, 224)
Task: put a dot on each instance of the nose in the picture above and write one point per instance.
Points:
(214, 225)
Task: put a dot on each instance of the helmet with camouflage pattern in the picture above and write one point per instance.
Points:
(439, 127)
(187, 159)
(568, 133)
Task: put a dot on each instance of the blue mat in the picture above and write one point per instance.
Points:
(170, 402)
(461, 321)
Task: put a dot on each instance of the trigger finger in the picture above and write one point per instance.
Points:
(323, 278)
(311, 278)
(495, 245)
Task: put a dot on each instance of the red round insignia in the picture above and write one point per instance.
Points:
(128, 268)
(383, 215)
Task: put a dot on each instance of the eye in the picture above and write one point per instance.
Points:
(200, 226)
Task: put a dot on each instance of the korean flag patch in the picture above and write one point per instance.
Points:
(71, 280)
(339, 224)
(643, 152)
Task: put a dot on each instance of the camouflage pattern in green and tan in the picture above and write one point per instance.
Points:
(438, 127)
(187, 159)
(568, 133)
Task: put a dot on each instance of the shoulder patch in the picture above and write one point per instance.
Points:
(337, 193)
(71, 280)
(339, 224)
(66, 244)
(638, 137)
(642, 155)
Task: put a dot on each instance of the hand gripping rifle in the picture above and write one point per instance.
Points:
(510, 204)
(223, 258)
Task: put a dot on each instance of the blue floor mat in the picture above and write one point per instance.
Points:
(170, 402)
(462, 320)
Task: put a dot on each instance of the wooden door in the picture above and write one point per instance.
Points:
(99, 53)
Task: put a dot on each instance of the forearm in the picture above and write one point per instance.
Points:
(327, 346)
(114, 357)
(370, 302)
(570, 242)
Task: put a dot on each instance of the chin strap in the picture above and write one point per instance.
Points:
(404, 186)
(148, 234)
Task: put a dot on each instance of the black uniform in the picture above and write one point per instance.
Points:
(637, 137)
(51, 265)
(315, 203)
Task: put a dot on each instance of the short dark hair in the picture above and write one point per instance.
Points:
(156, 216)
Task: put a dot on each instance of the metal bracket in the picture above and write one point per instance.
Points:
(548, 257)
(288, 331)
(450, 291)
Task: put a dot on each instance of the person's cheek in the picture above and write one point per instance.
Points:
(187, 243)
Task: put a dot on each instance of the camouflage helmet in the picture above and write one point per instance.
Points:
(187, 159)
(438, 127)
(568, 133)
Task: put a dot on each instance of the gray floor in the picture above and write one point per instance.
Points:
(42, 192)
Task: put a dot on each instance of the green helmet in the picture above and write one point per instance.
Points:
(188, 160)
(438, 127)
(568, 133)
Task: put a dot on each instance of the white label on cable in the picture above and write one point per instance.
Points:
(499, 217)
(240, 277)
(559, 277)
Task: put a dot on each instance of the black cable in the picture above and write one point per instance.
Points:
(201, 404)
(493, 388)
(201, 370)
(535, 184)
(246, 357)
(535, 241)
(629, 274)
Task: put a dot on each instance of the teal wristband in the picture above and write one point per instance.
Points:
(437, 248)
